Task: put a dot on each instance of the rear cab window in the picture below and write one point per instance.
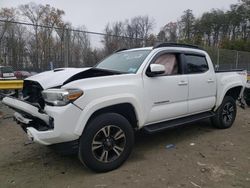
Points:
(196, 64)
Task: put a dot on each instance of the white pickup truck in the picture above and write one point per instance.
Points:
(98, 109)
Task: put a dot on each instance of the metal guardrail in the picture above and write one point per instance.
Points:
(11, 84)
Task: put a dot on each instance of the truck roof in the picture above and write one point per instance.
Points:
(174, 46)
(170, 46)
(167, 44)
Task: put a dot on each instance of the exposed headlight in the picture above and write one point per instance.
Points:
(61, 97)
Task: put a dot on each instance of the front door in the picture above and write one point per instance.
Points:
(166, 94)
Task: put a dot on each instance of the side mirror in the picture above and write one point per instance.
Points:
(156, 69)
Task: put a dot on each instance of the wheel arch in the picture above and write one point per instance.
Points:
(127, 107)
(127, 110)
(234, 92)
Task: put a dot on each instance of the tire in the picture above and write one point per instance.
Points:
(248, 102)
(226, 113)
(106, 142)
(247, 96)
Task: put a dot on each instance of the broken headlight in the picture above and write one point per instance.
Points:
(61, 97)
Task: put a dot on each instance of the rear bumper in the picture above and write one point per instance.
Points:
(49, 126)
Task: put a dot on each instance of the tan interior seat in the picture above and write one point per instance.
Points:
(170, 63)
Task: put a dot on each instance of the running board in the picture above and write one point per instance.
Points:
(153, 128)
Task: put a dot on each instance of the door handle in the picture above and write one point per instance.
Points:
(210, 80)
(183, 83)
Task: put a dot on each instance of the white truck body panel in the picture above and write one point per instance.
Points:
(226, 81)
(202, 90)
(165, 98)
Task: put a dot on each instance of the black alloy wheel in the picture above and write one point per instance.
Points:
(106, 142)
(225, 114)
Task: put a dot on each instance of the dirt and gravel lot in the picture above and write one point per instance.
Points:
(201, 157)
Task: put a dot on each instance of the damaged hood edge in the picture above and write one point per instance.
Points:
(55, 77)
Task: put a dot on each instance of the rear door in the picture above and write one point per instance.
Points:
(202, 83)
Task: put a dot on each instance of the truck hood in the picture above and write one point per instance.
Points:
(63, 76)
(55, 77)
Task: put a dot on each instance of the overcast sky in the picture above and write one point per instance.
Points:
(95, 14)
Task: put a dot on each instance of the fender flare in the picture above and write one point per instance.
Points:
(104, 102)
(224, 91)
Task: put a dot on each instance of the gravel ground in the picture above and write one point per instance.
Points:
(200, 156)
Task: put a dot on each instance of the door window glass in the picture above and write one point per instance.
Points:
(196, 64)
(170, 63)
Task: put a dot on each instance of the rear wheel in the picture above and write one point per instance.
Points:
(247, 96)
(226, 113)
(106, 143)
(248, 102)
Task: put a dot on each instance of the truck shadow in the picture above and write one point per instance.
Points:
(145, 143)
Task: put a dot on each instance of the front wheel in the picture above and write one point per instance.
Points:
(106, 143)
(226, 113)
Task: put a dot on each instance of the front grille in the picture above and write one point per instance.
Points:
(32, 93)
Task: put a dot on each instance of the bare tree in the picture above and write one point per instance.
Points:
(35, 14)
(52, 18)
(187, 24)
(113, 39)
(133, 33)
(81, 47)
(168, 33)
(7, 14)
(140, 28)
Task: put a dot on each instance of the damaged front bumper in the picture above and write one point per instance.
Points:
(49, 126)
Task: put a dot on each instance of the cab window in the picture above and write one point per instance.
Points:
(196, 64)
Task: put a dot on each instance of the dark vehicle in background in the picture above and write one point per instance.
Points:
(6, 72)
(247, 90)
(22, 74)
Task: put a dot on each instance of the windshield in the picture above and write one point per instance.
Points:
(6, 69)
(126, 61)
